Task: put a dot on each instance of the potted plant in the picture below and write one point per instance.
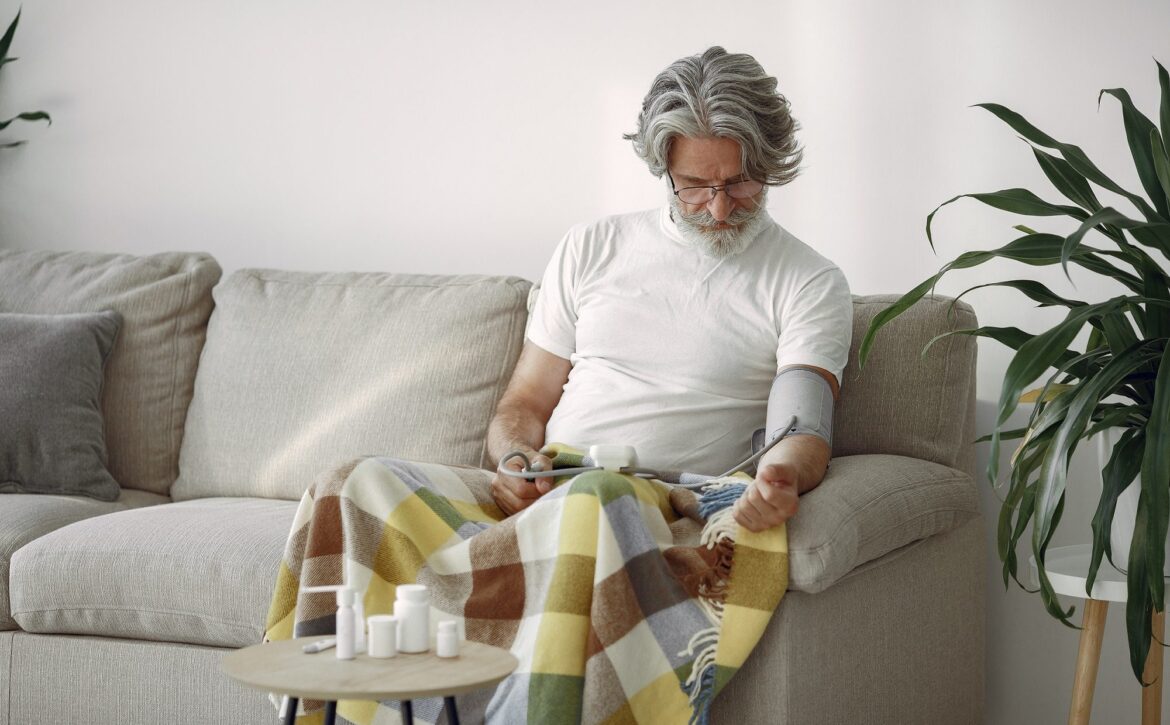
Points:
(5, 59)
(1117, 380)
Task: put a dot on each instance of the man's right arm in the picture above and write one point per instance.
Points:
(534, 391)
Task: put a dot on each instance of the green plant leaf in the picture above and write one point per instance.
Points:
(1156, 322)
(1163, 107)
(27, 116)
(1067, 181)
(1047, 593)
(1095, 264)
(1032, 249)
(1161, 164)
(1037, 355)
(1156, 478)
(1115, 415)
(1137, 132)
(1019, 201)
(1139, 604)
(1054, 472)
(1120, 470)
(1013, 337)
(1072, 154)
(1118, 331)
(6, 41)
(1006, 435)
(1107, 215)
(1147, 552)
(882, 318)
(1032, 289)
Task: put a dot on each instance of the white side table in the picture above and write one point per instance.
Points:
(1068, 570)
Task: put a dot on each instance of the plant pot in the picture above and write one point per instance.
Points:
(1125, 515)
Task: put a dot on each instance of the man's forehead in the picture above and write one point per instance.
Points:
(705, 159)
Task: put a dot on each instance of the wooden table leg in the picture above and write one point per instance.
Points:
(1088, 655)
(1152, 695)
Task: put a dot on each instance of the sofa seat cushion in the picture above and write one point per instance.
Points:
(302, 370)
(199, 572)
(868, 506)
(24, 517)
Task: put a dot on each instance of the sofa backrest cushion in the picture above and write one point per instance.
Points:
(903, 402)
(164, 300)
(302, 370)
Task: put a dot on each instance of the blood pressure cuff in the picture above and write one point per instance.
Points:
(806, 394)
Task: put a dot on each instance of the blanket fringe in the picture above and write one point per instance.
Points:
(719, 495)
(718, 534)
(700, 684)
(720, 527)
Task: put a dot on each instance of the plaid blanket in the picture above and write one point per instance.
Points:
(611, 620)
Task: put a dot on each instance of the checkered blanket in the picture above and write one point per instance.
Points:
(612, 621)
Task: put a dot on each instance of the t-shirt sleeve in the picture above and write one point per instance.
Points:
(553, 323)
(817, 324)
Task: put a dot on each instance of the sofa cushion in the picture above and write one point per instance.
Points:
(868, 506)
(199, 572)
(50, 402)
(24, 517)
(164, 300)
(904, 402)
(302, 371)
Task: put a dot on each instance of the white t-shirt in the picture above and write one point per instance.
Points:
(674, 352)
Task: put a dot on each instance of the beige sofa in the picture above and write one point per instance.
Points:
(216, 421)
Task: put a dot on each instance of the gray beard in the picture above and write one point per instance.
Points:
(697, 229)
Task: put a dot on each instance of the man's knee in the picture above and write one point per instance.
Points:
(605, 485)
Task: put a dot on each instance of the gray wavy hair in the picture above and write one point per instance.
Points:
(726, 95)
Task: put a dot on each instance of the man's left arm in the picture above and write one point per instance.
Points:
(792, 467)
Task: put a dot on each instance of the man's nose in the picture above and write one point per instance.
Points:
(721, 206)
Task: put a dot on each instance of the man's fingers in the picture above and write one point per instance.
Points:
(781, 498)
(755, 501)
(776, 474)
(524, 488)
(542, 463)
(747, 516)
(764, 505)
(504, 498)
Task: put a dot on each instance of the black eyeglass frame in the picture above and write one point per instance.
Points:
(715, 189)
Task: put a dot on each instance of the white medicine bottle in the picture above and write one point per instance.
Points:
(413, 609)
(346, 621)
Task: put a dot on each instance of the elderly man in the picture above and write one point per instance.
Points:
(679, 331)
(682, 330)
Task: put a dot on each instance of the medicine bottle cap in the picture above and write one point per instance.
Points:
(345, 597)
(447, 627)
(412, 593)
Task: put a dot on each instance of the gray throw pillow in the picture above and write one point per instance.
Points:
(51, 431)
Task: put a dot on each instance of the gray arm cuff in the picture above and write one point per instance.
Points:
(805, 394)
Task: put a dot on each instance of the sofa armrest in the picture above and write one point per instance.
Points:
(867, 506)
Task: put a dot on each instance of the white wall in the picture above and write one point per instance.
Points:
(467, 136)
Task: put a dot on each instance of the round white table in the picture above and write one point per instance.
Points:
(284, 668)
(1068, 569)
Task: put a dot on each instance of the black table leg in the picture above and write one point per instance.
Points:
(452, 712)
(407, 712)
(330, 712)
(290, 714)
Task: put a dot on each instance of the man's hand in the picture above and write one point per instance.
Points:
(770, 500)
(523, 412)
(514, 494)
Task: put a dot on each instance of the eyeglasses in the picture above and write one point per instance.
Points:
(704, 194)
